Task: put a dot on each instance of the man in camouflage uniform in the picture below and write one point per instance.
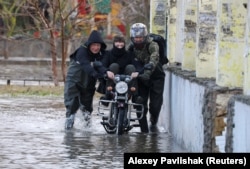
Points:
(151, 76)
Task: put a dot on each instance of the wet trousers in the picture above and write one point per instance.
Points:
(152, 94)
(83, 101)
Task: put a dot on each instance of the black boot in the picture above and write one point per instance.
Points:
(153, 126)
(144, 124)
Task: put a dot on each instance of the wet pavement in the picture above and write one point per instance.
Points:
(33, 137)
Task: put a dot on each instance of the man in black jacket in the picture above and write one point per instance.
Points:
(83, 71)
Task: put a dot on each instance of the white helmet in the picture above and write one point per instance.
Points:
(138, 30)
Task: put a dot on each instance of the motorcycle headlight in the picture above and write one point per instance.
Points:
(121, 87)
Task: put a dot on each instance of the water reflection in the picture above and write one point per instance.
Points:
(32, 136)
(107, 150)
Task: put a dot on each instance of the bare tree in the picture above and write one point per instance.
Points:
(8, 15)
(134, 11)
(38, 11)
(50, 17)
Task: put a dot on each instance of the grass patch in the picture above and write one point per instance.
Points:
(15, 90)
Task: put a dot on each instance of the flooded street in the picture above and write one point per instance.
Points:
(33, 137)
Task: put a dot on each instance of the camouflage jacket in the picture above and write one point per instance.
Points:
(148, 54)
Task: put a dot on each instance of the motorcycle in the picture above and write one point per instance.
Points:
(120, 116)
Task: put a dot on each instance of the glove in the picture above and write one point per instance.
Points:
(148, 66)
(145, 76)
(97, 64)
(96, 75)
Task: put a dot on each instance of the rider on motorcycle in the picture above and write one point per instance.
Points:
(118, 61)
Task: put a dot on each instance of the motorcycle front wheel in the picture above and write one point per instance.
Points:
(120, 121)
(111, 128)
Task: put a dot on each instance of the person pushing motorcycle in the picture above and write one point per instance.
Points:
(151, 76)
(84, 69)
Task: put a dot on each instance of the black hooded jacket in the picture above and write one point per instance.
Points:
(81, 73)
(84, 57)
(119, 56)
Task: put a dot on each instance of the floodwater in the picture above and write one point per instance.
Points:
(33, 137)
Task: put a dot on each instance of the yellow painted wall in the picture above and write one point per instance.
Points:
(189, 57)
(246, 88)
(232, 17)
(171, 31)
(206, 36)
(180, 13)
(158, 17)
(246, 59)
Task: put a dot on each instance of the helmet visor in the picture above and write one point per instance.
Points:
(138, 32)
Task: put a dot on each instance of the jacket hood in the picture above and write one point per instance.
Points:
(95, 37)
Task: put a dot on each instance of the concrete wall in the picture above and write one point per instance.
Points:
(32, 48)
(202, 116)
(238, 124)
(184, 107)
(35, 54)
(242, 127)
(210, 42)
